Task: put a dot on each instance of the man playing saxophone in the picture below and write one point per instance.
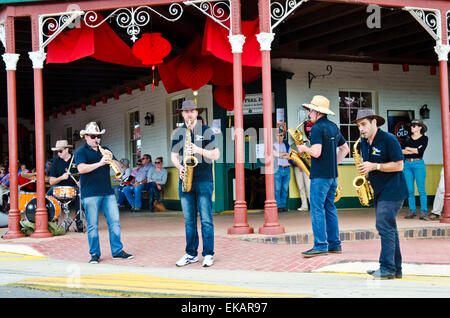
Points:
(97, 193)
(325, 139)
(196, 190)
(383, 164)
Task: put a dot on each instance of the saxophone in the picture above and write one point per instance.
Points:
(303, 160)
(112, 164)
(362, 185)
(189, 161)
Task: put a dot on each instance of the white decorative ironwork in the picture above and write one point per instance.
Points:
(2, 34)
(219, 11)
(448, 26)
(38, 58)
(132, 19)
(279, 12)
(11, 61)
(430, 20)
(442, 51)
(237, 43)
(50, 25)
(265, 40)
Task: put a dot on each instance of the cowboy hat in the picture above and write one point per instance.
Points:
(91, 129)
(420, 123)
(320, 104)
(190, 105)
(366, 113)
(61, 144)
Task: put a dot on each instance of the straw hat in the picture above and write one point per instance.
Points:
(420, 123)
(91, 129)
(364, 113)
(61, 144)
(190, 105)
(320, 104)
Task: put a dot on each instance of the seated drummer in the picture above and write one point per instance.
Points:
(60, 177)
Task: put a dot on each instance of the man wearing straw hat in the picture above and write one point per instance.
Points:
(61, 174)
(97, 192)
(383, 163)
(325, 138)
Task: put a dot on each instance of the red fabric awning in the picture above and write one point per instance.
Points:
(101, 43)
(215, 42)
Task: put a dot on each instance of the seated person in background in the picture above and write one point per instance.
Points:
(156, 179)
(138, 185)
(120, 197)
(4, 188)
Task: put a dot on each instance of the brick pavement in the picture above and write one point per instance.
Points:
(157, 240)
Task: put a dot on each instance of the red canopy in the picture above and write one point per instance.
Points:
(101, 43)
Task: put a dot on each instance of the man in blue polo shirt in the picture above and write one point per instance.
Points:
(204, 147)
(383, 163)
(325, 138)
(97, 192)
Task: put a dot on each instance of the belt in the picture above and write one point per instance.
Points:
(413, 159)
(283, 167)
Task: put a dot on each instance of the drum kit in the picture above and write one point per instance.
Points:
(56, 204)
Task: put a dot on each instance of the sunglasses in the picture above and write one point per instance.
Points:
(94, 136)
(157, 161)
(61, 151)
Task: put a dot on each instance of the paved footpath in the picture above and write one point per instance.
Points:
(157, 241)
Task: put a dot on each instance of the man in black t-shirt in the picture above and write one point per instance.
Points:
(383, 164)
(203, 147)
(61, 175)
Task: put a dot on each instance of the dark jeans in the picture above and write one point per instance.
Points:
(153, 192)
(390, 256)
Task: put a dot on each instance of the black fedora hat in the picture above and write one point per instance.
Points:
(190, 105)
(367, 113)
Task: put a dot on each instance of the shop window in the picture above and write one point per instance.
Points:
(68, 135)
(349, 104)
(176, 116)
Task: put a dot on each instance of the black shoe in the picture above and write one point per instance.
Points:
(94, 259)
(135, 209)
(422, 216)
(312, 252)
(280, 210)
(378, 274)
(431, 217)
(397, 274)
(123, 255)
(336, 250)
(410, 216)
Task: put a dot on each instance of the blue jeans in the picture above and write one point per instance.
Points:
(135, 201)
(153, 192)
(108, 205)
(118, 192)
(324, 218)
(282, 177)
(198, 199)
(390, 256)
(416, 170)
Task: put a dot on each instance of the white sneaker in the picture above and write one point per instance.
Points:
(186, 260)
(208, 261)
(303, 208)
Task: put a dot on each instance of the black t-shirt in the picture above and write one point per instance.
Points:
(59, 167)
(327, 134)
(420, 143)
(387, 186)
(202, 136)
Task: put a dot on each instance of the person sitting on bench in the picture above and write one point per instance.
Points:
(156, 179)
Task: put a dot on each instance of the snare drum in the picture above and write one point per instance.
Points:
(24, 198)
(52, 205)
(65, 193)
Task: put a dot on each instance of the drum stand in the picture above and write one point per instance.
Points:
(69, 221)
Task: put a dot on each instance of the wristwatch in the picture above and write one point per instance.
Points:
(378, 166)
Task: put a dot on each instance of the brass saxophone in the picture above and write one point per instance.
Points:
(189, 161)
(362, 185)
(303, 160)
(112, 164)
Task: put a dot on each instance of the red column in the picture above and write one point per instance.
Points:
(38, 58)
(240, 206)
(271, 225)
(445, 137)
(11, 61)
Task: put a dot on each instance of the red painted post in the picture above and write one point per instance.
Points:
(38, 58)
(14, 213)
(240, 206)
(271, 225)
